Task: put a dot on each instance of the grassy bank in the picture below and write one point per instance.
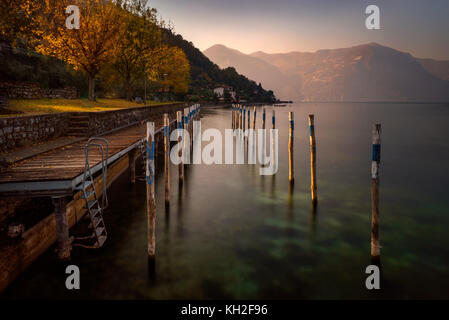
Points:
(41, 106)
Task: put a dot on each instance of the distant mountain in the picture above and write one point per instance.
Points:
(439, 69)
(369, 72)
(206, 75)
(284, 85)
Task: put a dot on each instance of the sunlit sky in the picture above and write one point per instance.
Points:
(277, 26)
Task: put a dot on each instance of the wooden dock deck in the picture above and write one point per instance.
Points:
(59, 171)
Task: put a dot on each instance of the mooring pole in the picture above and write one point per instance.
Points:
(181, 164)
(273, 142)
(235, 117)
(313, 186)
(375, 165)
(263, 119)
(232, 116)
(254, 119)
(186, 154)
(249, 118)
(64, 245)
(191, 119)
(167, 157)
(150, 179)
(240, 117)
(291, 172)
(244, 118)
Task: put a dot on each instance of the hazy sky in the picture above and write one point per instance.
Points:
(417, 26)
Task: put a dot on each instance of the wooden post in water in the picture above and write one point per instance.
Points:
(150, 179)
(132, 166)
(375, 246)
(313, 186)
(167, 157)
(191, 126)
(186, 130)
(254, 119)
(249, 118)
(273, 142)
(263, 119)
(235, 117)
(238, 117)
(181, 164)
(62, 229)
(244, 118)
(291, 171)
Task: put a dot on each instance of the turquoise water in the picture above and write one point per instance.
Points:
(231, 233)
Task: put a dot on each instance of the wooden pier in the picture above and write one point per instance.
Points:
(57, 174)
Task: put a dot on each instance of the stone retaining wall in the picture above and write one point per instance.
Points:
(66, 93)
(28, 130)
(32, 90)
(100, 122)
(3, 101)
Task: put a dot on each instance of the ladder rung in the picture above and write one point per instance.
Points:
(89, 194)
(100, 241)
(99, 231)
(91, 203)
(84, 185)
(96, 221)
(94, 212)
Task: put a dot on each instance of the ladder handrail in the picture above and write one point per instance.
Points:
(104, 167)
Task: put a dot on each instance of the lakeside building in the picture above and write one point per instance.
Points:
(220, 91)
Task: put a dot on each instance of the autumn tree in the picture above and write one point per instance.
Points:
(141, 34)
(169, 68)
(88, 48)
(18, 20)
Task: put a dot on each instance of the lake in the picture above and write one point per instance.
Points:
(232, 233)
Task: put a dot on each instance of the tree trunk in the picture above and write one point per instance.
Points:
(128, 87)
(91, 87)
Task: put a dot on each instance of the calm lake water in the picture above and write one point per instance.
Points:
(231, 233)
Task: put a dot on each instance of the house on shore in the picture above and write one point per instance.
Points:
(220, 92)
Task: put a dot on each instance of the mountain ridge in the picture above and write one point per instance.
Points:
(366, 72)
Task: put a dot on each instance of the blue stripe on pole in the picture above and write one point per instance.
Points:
(150, 157)
(166, 131)
(273, 120)
(186, 119)
(263, 116)
(376, 152)
(310, 130)
(150, 152)
(292, 124)
(179, 125)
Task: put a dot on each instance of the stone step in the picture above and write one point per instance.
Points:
(79, 122)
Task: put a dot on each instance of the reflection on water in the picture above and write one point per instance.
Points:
(231, 233)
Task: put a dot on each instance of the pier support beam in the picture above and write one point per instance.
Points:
(62, 228)
(132, 166)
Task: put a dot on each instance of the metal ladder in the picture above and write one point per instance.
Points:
(94, 208)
